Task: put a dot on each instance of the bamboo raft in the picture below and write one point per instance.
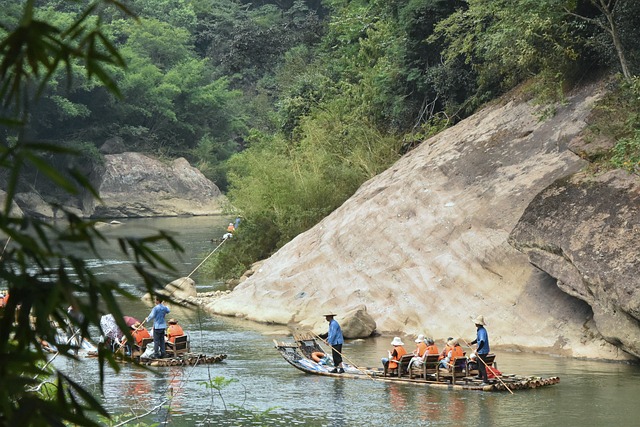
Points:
(188, 359)
(298, 354)
(185, 359)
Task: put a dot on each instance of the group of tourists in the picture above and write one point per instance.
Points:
(424, 346)
(164, 332)
(452, 351)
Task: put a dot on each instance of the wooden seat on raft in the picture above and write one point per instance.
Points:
(402, 369)
(178, 347)
(490, 360)
(427, 366)
(138, 350)
(457, 370)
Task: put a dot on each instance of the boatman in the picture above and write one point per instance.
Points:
(482, 340)
(159, 311)
(335, 340)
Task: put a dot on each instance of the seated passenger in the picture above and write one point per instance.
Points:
(473, 362)
(394, 356)
(421, 346)
(420, 352)
(173, 330)
(455, 352)
(446, 350)
(139, 333)
(112, 333)
(432, 348)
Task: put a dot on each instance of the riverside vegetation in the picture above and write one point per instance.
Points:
(287, 105)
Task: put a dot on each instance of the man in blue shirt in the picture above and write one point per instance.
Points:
(158, 313)
(482, 339)
(335, 340)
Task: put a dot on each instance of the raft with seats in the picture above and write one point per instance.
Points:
(300, 354)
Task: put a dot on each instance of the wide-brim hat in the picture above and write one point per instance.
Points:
(330, 314)
(479, 320)
(420, 338)
(173, 321)
(397, 341)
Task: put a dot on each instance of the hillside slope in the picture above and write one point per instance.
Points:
(424, 245)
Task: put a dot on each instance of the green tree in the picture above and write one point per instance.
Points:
(39, 268)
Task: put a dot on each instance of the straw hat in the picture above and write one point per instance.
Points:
(173, 321)
(332, 314)
(420, 338)
(397, 341)
(479, 320)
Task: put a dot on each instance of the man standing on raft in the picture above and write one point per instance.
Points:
(483, 348)
(335, 340)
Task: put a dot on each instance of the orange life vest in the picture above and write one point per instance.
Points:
(397, 354)
(432, 349)
(140, 334)
(174, 331)
(455, 353)
(421, 348)
(445, 352)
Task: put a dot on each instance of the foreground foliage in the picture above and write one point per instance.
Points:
(43, 264)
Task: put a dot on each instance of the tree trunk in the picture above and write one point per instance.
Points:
(608, 11)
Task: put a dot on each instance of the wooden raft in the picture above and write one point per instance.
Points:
(187, 359)
(298, 355)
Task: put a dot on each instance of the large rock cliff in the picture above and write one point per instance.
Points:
(585, 231)
(424, 245)
(135, 185)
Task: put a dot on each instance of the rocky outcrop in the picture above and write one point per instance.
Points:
(180, 290)
(357, 323)
(134, 185)
(585, 232)
(424, 245)
(15, 210)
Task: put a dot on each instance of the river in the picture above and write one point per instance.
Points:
(256, 387)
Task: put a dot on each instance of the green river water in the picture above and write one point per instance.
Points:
(268, 391)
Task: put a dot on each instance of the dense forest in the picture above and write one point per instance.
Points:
(290, 105)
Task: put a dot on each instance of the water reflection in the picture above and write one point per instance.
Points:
(397, 397)
(138, 389)
(337, 406)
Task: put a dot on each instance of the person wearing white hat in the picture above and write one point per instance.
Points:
(482, 340)
(335, 340)
(421, 346)
(391, 362)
